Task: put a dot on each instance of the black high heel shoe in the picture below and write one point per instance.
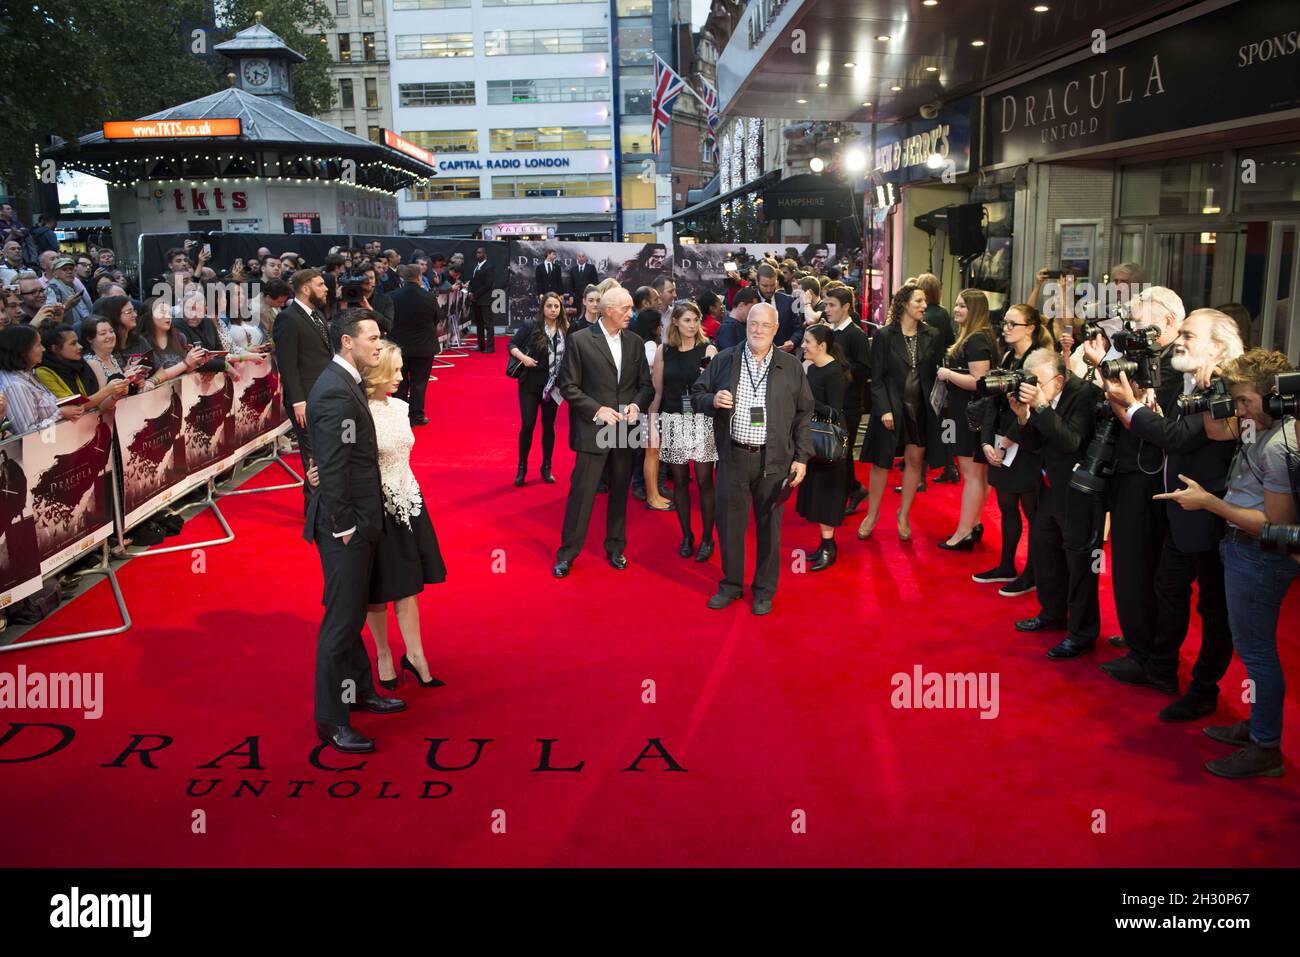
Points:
(688, 546)
(965, 545)
(706, 550)
(431, 683)
(978, 533)
(388, 684)
(519, 475)
(547, 477)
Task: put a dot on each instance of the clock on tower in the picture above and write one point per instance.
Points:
(262, 63)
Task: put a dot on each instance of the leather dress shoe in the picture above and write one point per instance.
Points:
(1238, 734)
(1130, 671)
(420, 421)
(561, 569)
(1039, 623)
(1252, 761)
(705, 551)
(762, 606)
(638, 492)
(1070, 648)
(617, 559)
(379, 705)
(1190, 707)
(344, 738)
(1118, 641)
(721, 600)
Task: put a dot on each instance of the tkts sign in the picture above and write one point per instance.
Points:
(1236, 62)
(203, 201)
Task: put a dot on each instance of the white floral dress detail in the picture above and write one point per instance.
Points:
(395, 439)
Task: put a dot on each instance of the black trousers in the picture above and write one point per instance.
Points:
(530, 403)
(741, 485)
(587, 467)
(483, 326)
(303, 438)
(1010, 504)
(1173, 585)
(415, 382)
(851, 423)
(340, 652)
(1065, 542)
(1137, 533)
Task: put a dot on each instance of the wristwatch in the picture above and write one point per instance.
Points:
(1043, 407)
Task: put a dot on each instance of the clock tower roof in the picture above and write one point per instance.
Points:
(257, 39)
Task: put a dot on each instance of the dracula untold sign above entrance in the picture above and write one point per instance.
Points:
(1237, 62)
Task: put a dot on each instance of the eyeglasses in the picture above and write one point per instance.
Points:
(1008, 324)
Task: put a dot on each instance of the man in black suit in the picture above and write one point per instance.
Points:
(1206, 340)
(581, 276)
(1057, 416)
(302, 350)
(415, 328)
(857, 348)
(379, 301)
(345, 518)
(482, 279)
(761, 406)
(548, 276)
(789, 333)
(606, 381)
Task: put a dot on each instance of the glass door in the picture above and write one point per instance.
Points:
(1199, 265)
(1280, 317)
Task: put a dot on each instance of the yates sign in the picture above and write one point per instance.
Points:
(1240, 61)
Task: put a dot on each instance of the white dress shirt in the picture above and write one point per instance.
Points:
(615, 343)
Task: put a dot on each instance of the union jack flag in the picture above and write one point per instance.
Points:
(668, 86)
(710, 101)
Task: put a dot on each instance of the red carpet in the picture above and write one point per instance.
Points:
(771, 718)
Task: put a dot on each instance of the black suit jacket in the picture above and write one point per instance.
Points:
(301, 352)
(1061, 435)
(789, 406)
(382, 303)
(580, 277)
(481, 280)
(888, 374)
(552, 281)
(415, 320)
(347, 459)
(588, 381)
(857, 349)
(788, 325)
(1189, 451)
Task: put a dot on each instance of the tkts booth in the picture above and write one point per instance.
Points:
(244, 161)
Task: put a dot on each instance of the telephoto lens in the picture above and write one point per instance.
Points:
(1216, 400)
(1004, 382)
(1098, 462)
(1280, 538)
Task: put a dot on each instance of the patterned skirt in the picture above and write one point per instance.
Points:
(686, 437)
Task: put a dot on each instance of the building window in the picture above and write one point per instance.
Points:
(444, 141)
(345, 95)
(635, 42)
(463, 187)
(531, 139)
(1191, 186)
(637, 193)
(636, 89)
(415, 46)
(634, 137)
(436, 94)
(367, 8)
(582, 89)
(350, 129)
(372, 93)
(400, 5)
(345, 48)
(635, 8)
(368, 45)
(534, 3)
(525, 42)
(1277, 178)
(374, 133)
(533, 187)
(341, 7)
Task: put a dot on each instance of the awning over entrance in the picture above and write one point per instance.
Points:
(762, 182)
(808, 196)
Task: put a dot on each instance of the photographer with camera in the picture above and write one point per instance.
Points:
(1056, 413)
(1190, 552)
(1262, 494)
(1143, 351)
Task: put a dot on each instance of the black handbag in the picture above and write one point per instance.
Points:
(830, 441)
(515, 367)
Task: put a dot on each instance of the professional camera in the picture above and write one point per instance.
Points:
(352, 291)
(1085, 330)
(1006, 382)
(1285, 398)
(1216, 400)
(1280, 538)
(1139, 359)
(1098, 462)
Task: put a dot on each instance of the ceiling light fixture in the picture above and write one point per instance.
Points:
(883, 38)
(929, 3)
(823, 85)
(977, 43)
(866, 103)
(849, 64)
(931, 69)
(801, 101)
(1041, 8)
(895, 88)
(816, 164)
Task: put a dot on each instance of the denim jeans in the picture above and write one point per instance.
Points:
(1256, 582)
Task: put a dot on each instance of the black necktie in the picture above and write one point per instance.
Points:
(319, 322)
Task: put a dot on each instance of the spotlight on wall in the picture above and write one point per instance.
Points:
(816, 164)
(855, 160)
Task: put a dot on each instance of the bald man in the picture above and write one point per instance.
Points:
(606, 381)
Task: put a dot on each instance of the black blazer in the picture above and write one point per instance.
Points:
(888, 373)
(416, 314)
(588, 381)
(301, 352)
(1062, 435)
(526, 340)
(552, 281)
(789, 406)
(580, 277)
(788, 326)
(1025, 471)
(1192, 453)
(382, 303)
(481, 279)
(347, 459)
(857, 349)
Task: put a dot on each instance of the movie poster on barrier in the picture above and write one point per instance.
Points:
(207, 426)
(632, 264)
(153, 451)
(20, 565)
(68, 475)
(698, 267)
(258, 408)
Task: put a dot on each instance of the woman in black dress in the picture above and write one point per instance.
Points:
(685, 436)
(905, 355)
(1013, 473)
(965, 363)
(540, 345)
(824, 489)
